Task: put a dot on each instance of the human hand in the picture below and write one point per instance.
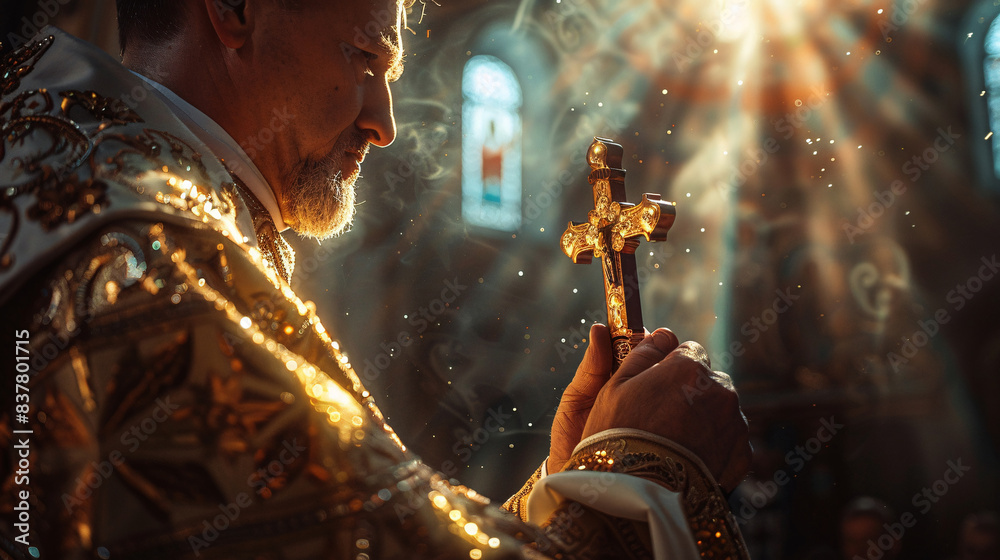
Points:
(578, 398)
(670, 390)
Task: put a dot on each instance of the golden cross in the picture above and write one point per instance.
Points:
(612, 234)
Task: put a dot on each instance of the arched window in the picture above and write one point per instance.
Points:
(991, 68)
(491, 145)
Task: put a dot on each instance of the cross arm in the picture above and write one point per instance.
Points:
(578, 242)
(651, 219)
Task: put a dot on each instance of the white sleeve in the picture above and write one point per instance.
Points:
(619, 495)
(624, 496)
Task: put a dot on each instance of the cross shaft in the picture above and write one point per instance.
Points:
(612, 233)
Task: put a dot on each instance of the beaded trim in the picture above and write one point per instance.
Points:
(712, 524)
(518, 503)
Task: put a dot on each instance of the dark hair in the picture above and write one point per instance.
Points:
(148, 21)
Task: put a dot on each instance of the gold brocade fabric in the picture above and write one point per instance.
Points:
(518, 503)
(712, 524)
(183, 402)
(276, 251)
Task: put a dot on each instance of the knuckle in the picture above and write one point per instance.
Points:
(724, 380)
(723, 377)
(694, 352)
(692, 346)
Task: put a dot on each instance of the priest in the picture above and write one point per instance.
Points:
(169, 396)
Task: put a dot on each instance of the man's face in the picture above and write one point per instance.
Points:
(328, 65)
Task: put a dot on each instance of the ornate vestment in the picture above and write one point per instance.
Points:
(183, 402)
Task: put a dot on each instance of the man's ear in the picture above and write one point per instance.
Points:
(233, 20)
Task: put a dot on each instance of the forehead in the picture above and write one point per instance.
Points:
(369, 14)
(363, 21)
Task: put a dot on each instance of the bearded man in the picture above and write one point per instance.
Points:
(171, 397)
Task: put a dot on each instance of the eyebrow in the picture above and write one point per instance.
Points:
(396, 56)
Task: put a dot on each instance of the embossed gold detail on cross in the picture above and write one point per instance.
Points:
(611, 233)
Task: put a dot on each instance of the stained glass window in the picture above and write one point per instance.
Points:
(491, 145)
(992, 70)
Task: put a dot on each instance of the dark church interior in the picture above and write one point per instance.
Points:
(837, 188)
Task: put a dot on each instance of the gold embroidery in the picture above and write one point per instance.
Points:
(712, 524)
(60, 201)
(31, 111)
(20, 63)
(110, 111)
(27, 114)
(518, 503)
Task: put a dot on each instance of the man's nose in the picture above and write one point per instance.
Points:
(376, 118)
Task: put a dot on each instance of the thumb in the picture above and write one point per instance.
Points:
(653, 349)
(595, 368)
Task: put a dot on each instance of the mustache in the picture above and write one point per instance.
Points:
(363, 149)
(355, 143)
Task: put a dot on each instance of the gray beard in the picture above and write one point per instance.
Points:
(319, 200)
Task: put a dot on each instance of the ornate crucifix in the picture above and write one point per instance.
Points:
(612, 234)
